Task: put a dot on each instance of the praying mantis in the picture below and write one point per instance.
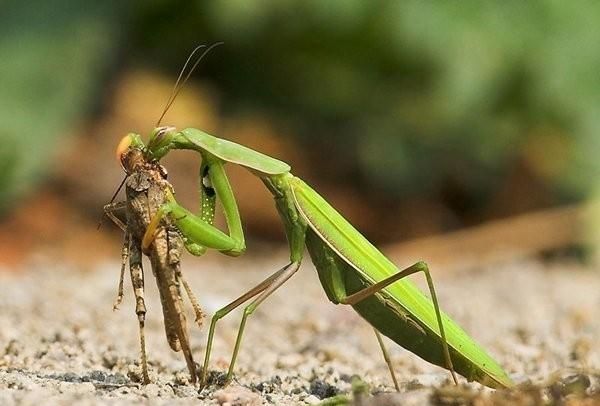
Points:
(351, 270)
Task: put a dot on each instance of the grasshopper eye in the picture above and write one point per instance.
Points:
(124, 144)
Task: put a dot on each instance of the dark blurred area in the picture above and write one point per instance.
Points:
(413, 118)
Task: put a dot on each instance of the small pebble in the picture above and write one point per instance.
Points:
(237, 396)
(99, 376)
(151, 390)
(312, 400)
(116, 379)
(322, 389)
(69, 377)
(76, 388)
(86, 387)
(185, 391)
(289, 361)
(21, 383)
(110, 359)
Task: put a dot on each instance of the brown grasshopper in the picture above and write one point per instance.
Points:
(158, 237)
(146, 187)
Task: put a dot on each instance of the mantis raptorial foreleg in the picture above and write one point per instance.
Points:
(197, 230)
(208, 194)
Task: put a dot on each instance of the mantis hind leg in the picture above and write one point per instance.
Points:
(387, 359)
(418, 267)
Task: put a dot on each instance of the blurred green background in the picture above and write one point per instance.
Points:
(416, 117)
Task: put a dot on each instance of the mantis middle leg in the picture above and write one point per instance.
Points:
(296, 233)
(264, 289)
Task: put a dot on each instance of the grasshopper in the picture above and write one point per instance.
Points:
(146, 188)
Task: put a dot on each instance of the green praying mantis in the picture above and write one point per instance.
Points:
(352, 271)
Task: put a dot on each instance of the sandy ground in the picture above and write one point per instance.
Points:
(61, 343)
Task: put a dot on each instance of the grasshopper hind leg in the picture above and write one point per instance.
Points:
(179, 322)
(198, 312)
(137, 279)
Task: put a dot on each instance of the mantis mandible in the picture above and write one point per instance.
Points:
(351, 270)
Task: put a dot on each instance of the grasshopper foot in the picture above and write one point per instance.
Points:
(117, 302)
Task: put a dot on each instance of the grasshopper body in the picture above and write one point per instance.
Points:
(146, 187)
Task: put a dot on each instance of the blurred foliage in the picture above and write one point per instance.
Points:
(410, 96)
(401, 97)
(54, 55)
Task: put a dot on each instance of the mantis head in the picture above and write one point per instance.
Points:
(160, 142)
(132, 152)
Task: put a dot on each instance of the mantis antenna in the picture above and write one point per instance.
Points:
(180, 83)
(176, 89)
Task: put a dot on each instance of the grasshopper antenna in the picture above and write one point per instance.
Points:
(114, 196)
(180, 83)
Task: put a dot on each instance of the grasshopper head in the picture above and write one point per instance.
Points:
(160, 140)
(130, 152)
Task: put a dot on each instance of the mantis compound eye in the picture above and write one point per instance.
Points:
(124, 144)
(160, 137)
(160, 134)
